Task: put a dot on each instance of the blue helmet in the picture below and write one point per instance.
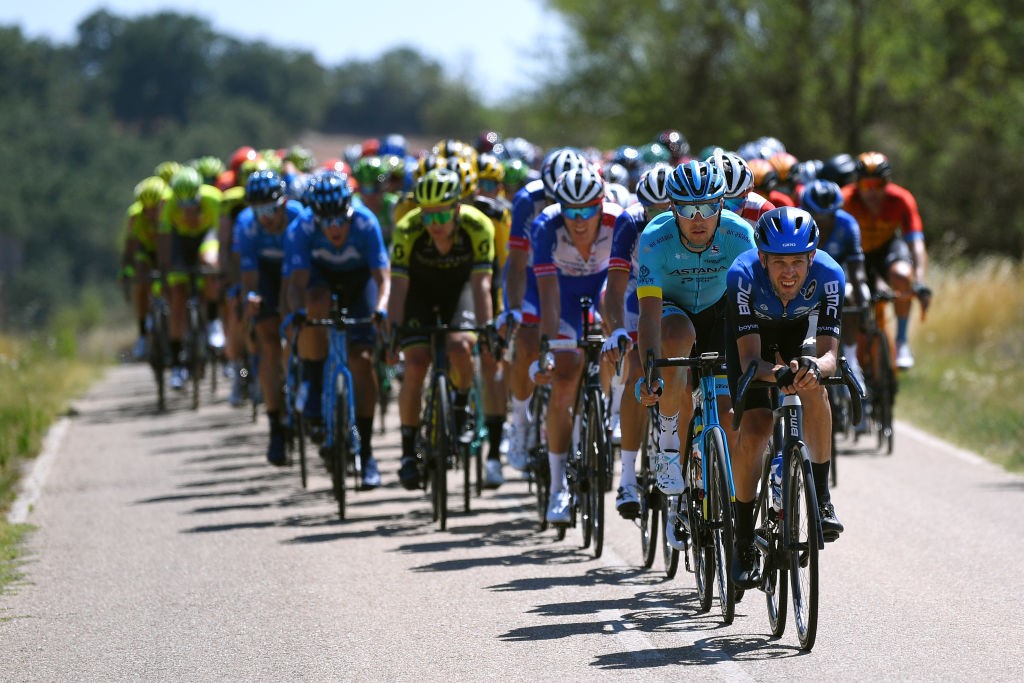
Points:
(696, 181)
(264, 186)
(822, 196)
(786, 230)
(329, 196)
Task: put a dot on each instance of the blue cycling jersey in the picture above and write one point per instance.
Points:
(843, 243)
(692, 280)
(757, 309)
(258, 248)
(307, 246)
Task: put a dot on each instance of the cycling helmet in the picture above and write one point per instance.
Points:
(185, 183)
(516, 172)
(522, 149)
(840, 169)
(579, 186)
(449, 148)
(559, 161)
(393, 144)
(628, 156)
(486, 141)
(709, 151)
(695, 181)
(209, 167)
(654, 152)
(821, 196)
(786, 230)
(489, 168)
(393, 166)
(874, 165)
(263, 187)
(370, 171)
(239, 155)
(250, 166)
(770, 146)
(750, 151)
(467, 175)
(783, 163)
(329, 196)
(427, 163)
(616, 173)
(738, 178)
(438, 187)
(807, 171)
(653, 185)
(765, 177)
(150, 191)
(166, 170)
(674, 141)
(301, 157)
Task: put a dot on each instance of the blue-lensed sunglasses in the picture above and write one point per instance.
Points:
(580, 213)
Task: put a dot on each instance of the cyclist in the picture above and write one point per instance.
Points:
(492, 203)
(839, 235)
(766, 179)
(785, 165)
(441, 258)
(572, 242)
(773, 290)
(685, 255)
(621, 312)
(338, 246)
(517, 174)
(187, 236)
(261, 246)
(373, 177)
(893, 242)
(520, 286)
(739, 196)
(139, 256)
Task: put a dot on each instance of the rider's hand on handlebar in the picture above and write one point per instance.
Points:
(924, 296)
(643, 393)
(610, 348)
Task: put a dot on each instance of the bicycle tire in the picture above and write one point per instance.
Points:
(340, 443)
(540, 468)
(701, 546)
(802, 529)
(195, 351)
(886, 381)
(669, 555)
(721, 522)
(597, 457)
(300, 445)
(159, 353)
(648, 506)
(440, 451)
(773, 570)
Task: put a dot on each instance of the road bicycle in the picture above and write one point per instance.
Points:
(158, 342)
(539, 469)
(474, 436)
(294, 423)
(705, 513)
(787, 526)
(341, 444)
(879, 373)
(588, 460)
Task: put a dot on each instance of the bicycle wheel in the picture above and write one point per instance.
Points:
(720, 521)
(701, 545)
(648, 506)
(597, 456)
(340, 445)
(159, 353)
(802, 532)
(768, 539)
(196, 345)
(441, 445)
(886, 394)
(669, 555)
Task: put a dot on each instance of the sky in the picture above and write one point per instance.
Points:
(492, 44)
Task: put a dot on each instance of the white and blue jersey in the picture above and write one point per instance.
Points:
(692, 281)
(261, 252)
(526, 206)
(843, 243)
(554, 254)
(625, 256)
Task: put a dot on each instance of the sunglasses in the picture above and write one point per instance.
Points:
(333, 221)
(188, 203)
(489, 185)
(265, 210)
(871, 183)
(695, 211)
(580, 213)
(438, 217)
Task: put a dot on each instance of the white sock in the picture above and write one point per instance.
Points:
(628, 477)
(669, 432)
(850, 351)
(520, 411)
(556, 461)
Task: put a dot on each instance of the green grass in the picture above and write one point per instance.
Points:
(967, 385)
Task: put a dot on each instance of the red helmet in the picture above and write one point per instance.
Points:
(240, 156)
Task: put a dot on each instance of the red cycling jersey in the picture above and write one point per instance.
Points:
(898, 212)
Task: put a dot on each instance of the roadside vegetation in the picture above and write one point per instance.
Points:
(966, 384)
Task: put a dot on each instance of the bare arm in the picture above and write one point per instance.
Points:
(551, 305)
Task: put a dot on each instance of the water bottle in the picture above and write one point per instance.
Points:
(300, 397)
(776, 475)
(698, 461)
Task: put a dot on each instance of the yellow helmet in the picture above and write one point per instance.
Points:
(438, 187)
(151, 191)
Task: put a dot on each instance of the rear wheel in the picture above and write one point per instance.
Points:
(721, 521)
(340, 446)
(648, 506)
(196, 348)
(159, 353)
(802, 530)
(597, 456)
(669, 555)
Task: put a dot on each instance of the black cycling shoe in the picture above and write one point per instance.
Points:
(745, 572)
(831, 527)
(277, 454)
(409, 474)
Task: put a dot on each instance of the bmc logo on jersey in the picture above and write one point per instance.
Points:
(808, 291)
(832, 298)
(743, 297)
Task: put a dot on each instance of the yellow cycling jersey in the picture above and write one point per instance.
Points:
(189, 224)
(403, 206)
(140, 227)
(414, 256)
(232, 202)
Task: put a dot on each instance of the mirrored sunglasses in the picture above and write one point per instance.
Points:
(696, 211)
(581, 213)
(439, 217)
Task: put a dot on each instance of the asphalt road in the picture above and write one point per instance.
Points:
(167, 549)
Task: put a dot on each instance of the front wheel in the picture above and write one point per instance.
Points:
(596, 460)
(340, 446)
(720, 501)
(648, 507)
(440, 451)
(801, 514)
(668, 506)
